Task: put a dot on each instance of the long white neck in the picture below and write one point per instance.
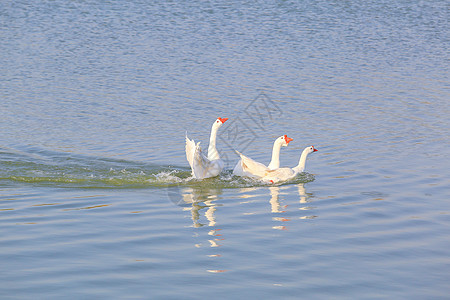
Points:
(302, 162)
(212, 151)
(275, 162)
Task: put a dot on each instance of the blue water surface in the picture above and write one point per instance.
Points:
(96, 198)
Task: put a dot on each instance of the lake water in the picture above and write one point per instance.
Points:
(96, 199)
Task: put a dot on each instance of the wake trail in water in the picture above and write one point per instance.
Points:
(68, 170)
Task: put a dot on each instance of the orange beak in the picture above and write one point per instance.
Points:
(223, 120)
(287, 139)
(315, 149)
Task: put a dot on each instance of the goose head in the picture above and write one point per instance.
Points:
(310, 149)
(284, 140)
(219, 122)
(302, 162)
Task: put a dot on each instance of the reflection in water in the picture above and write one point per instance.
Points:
(302, 192)
(276, 207)
(201, 198)
(304, 199)
(202, 202)
(274, 200)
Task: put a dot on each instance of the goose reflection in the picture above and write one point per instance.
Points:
(305, 199)
(278, 208)
(201, 199)
(302, 193)
(274, 200)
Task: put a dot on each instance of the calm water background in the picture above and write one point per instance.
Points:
(96, 97)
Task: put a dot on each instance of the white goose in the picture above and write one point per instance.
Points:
(283, 174)
(205, 166)
(250, 168)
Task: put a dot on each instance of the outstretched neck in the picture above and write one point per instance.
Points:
(275, 162)
(212, 151)
(302, 162)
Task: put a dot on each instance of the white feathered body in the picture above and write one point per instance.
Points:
(205, 166)
(251, 168)
(284, 174)
(248, 167)
(278, 175)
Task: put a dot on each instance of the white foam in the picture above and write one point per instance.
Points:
(167, 177)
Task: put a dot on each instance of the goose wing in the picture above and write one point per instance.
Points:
(190, 150)
(249, 167)
(203, 167)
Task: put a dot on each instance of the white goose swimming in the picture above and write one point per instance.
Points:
(205, 166)
(283, 174)
(250, 168)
